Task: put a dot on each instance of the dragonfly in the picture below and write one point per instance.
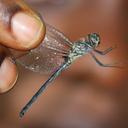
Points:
(55, 54)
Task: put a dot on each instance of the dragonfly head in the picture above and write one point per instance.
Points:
(93, 40)
(85, 45)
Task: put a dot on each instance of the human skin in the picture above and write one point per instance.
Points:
(85, 90)
(84, 94)
(21, 29)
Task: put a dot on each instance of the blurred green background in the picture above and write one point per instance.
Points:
(85, 95)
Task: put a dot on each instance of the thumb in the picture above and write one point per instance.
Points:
(20, 27)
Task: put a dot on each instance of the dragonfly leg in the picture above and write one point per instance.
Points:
(103, 65)
(105, 51)
(42, 89)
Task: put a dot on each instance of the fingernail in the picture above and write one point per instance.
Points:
(8, 75)
(26, 28)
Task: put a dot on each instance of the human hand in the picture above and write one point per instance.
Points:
(20, 29)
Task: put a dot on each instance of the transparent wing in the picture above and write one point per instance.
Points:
(57, 34)
(47, 57)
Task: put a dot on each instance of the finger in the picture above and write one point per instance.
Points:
(8, 73)
(20, 27)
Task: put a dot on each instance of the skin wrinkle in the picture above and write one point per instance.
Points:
(2, 57)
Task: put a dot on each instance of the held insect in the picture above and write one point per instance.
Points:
(57, 53)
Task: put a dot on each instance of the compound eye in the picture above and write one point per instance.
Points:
(95, 38)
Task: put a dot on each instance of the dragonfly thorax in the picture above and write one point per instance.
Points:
(79, 49)
(84, 46)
